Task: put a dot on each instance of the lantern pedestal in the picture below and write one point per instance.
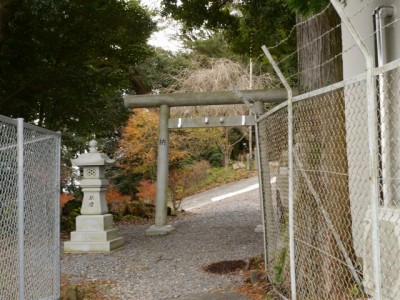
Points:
(94, 234)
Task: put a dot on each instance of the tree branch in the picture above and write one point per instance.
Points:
(15, 93)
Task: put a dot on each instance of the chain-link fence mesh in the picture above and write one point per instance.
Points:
(346, 242)
(40, 253)
(332, 199)
(326, 264)
(389, 171)
(272, 131)
(8, 211)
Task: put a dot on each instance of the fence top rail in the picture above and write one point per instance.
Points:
(29, 126)
(315, 93)
(361, 77)
(8, 120)
(341, 84)
(272, 111)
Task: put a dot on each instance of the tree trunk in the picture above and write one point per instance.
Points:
(226, 147)
(320, 144)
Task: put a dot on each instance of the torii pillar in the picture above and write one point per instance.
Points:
(160, 227)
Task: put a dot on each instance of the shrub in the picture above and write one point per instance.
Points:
(70, 211)
(116, 201)
(200, 170)
(147, 192)
(64, 198)
(181, 181)
(216, 159)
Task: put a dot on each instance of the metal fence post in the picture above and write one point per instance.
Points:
(290, 170)
(20, 204)
(372, 142)
(57, 248)
(262, 198)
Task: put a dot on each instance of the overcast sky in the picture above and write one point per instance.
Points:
(167, 37)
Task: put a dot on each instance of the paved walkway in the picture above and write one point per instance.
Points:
(220, 193)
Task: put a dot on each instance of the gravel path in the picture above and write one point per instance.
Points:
(167, 267)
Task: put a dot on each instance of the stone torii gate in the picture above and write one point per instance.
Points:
(165, 102)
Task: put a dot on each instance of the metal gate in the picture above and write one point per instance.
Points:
(29, 211)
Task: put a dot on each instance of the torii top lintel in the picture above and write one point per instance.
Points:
(204, 98)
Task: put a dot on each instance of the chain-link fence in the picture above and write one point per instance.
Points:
(273, 126)
(330, 173)
(29, 211)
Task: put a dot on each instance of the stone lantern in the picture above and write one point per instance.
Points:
(95, 231)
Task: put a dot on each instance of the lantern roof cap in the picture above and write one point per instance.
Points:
(93, 157)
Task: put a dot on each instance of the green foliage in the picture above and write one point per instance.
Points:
(126, 183)
(65, 64)
(250, 24)
(279, 266)
(157, 69)
(257, 22)
(356, 292)
(70, 211)
(216, 159)
(308, 7)
(117, 216)
(215, 46)
(76, 191)
(200, 13)
(263, 23)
